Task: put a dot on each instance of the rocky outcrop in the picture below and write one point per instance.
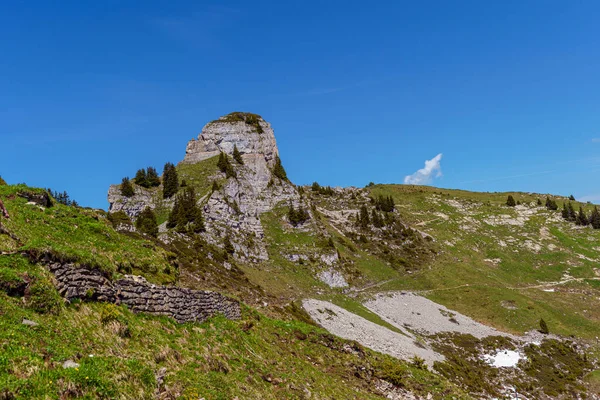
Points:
(184, 305)
(249, 132)
(235, 209)
(135, 204)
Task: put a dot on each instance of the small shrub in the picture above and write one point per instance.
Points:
(510, 201)
(43, 297)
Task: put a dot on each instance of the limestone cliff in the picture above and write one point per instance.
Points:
(234, 210)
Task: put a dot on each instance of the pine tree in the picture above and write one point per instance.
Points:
(237, 156)
(297, 216)
(363, 217)
(225, 166)
(565, 212)
(572, 216)
(582, 219)
(572, 198)
(127, 188)
(539, 202)
(228, 246)
(544, 327)
(170, 181)
(316, 187)
(141, 178)
(186, 215)
(2, 182)
(595, 218)
(551, 204)
(146, 223)
(377, 220)
(510, 201)
(278, 169)
(152, 179)
(215, 186)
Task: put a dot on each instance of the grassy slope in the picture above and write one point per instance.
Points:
(82, 235)
(497, 265)
(120, 354)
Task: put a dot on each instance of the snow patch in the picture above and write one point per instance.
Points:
(503, 358)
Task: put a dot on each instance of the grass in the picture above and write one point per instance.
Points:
(84, 236)
(120, 355)
(468, 243)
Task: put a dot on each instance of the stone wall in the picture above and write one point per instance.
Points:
(184, 305)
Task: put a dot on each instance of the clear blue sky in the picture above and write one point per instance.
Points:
(507, 91)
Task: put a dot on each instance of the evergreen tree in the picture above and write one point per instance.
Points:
(152, 179)
(170, 181)
(225, 166)
(582, 219)
(384, 203)
(363, 217)
(237, 156)
(510, 201)
(186, 215)
(539, 202)
(127, 188)
(228, 246)
(571, 215)
(551, 204)
(140, 178)
(278, 169)
(595, 218)
(215, 186)
(316, 187)
(572, 198)
(183, 183)
(544, 327)
(146, 223)
(377, 220)
(2, 182)
(565, 212)
(297, 216)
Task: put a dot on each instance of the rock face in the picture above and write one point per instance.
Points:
(234, 210)
(252, 135)
(255, 190)
(184, 305)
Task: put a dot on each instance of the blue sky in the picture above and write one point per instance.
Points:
(507, 91)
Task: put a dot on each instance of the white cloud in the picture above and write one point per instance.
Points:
(424, 176)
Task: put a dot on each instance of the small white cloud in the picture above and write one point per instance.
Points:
(424, 176)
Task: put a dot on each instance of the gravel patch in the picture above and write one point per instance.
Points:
(350, 326)
(408, 310)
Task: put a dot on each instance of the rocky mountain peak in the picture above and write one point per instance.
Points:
(252, 135)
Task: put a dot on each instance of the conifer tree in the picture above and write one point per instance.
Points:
(186, 215)
(510, 201)
(183, 183)
(228, 246)
(551, 204)
(2, 182)
(572, 216)
(565, 212)
(140, 178)
(297, 216)
(215, 186)
(572, 198)
(127, 188)
(146, 223)
(316, 187)
(170, 181)
(278, 169)
(544, 327)
(539, 202)
(225, 166)
(237, 156)
(581, 219)
(595, 218)
(363, 217)
(152, 179)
